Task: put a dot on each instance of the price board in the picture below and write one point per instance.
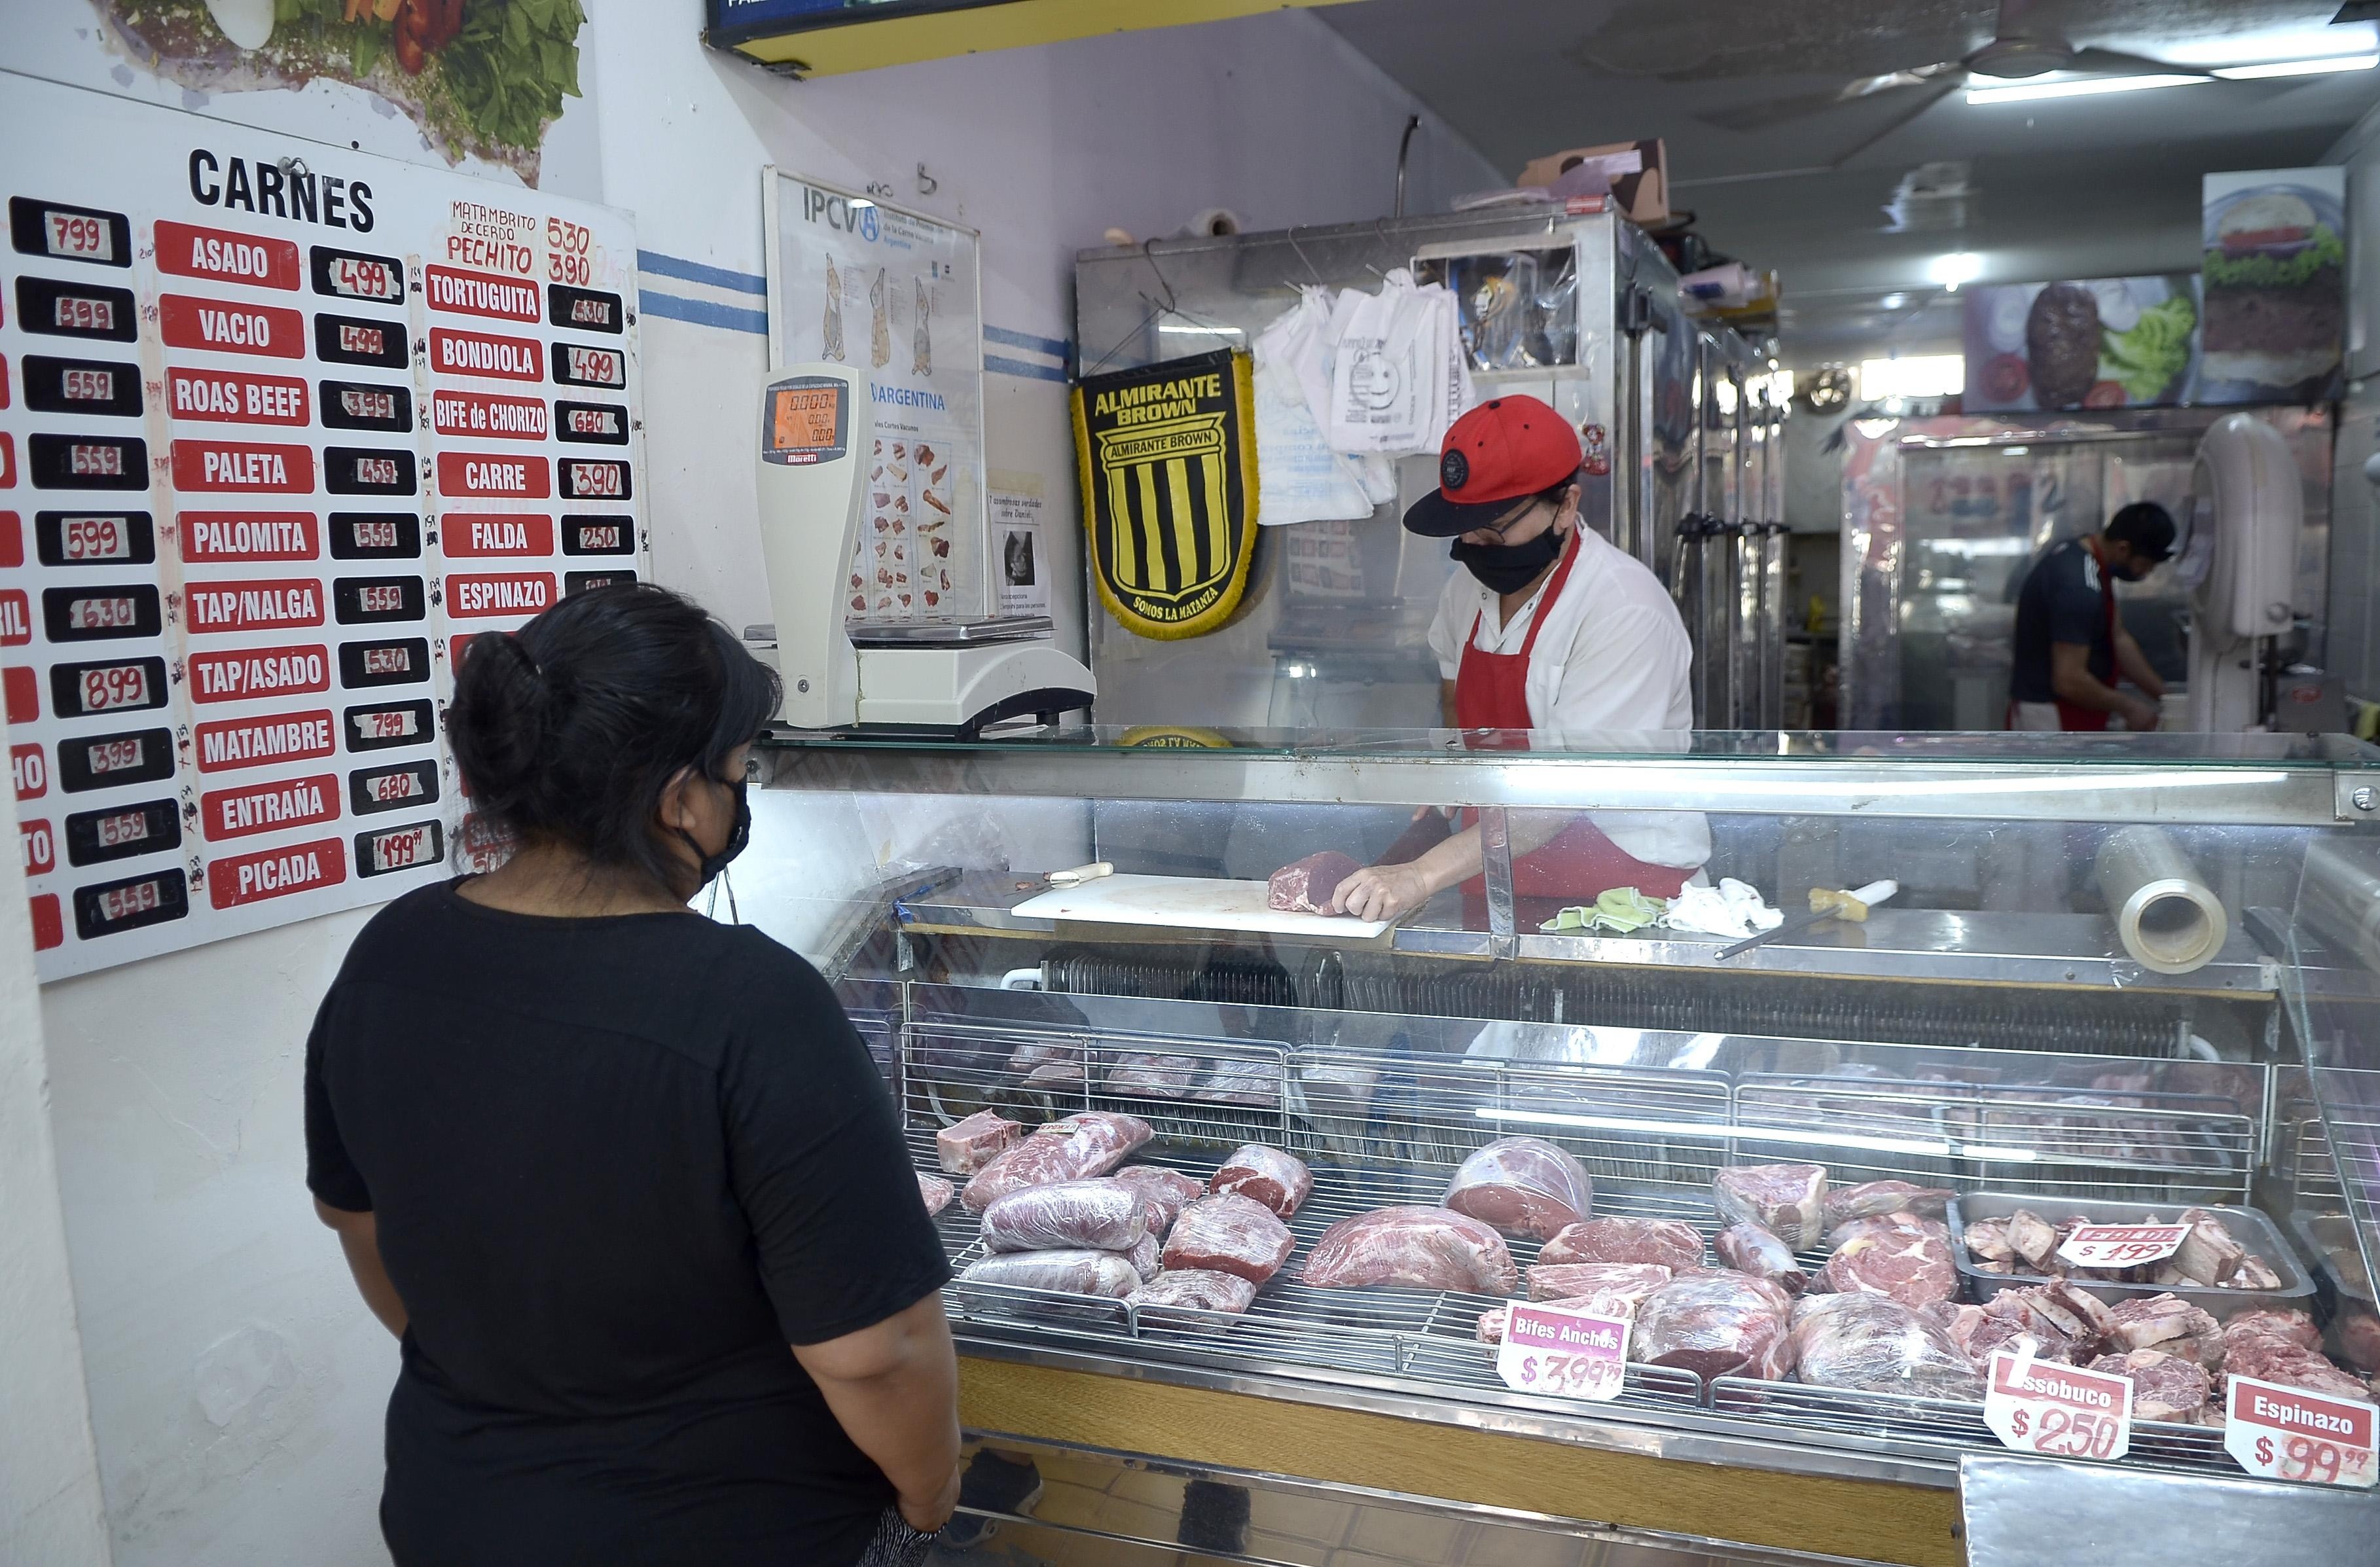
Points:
(282, 425)
(1564, 1354)
(2285, 1433)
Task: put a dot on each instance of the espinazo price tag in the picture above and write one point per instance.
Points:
(2057, 1411)
(2284, 1433)
(1567, 1353)
(2122, 1246)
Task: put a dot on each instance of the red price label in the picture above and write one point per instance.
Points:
(74, 313)
(117, 686)
(95, 538)
(2122, 1246)
(1567, 1353)
(2284, 1433)
(81, 236)
(2057, 1411)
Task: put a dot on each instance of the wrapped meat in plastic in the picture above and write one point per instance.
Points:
(1069, 1272)
(967, 1146)
(1074, 1150)
(1252, 1083)
(1151, 1075)
(1715, 1323)
(1171, 1190)
(1666, 1243)
(1097, 1215)
(1188, 1290)
(1421, 1248)
(1787, 1200)
(1748, 1248)
(1147, 1257)
(1523, 1187)
(934, 1192)
(1278, 1180)
(1230, 1234)
(1306, 886)
(1625, 1285)
(1911, 1262)
(1874, 1344)
(1049, 1063)
(1872, 1199)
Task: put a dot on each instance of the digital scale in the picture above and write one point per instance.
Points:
(946, 676)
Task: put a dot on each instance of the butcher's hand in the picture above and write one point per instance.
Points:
(1382, 892)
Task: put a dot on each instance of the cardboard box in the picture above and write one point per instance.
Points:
(1644, 194)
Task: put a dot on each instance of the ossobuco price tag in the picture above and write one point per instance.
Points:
(2122, 1246)
(2057, 1411)
(1567, 1353)
(2284, 1433)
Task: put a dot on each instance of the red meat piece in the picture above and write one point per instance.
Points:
(1523, 1187)
(1625, 1284)
(1074, 1150)
(1670, 1243)
(1911, 1265)
(1871, 1199)
(1305, 886)
(967, 1146)
(1171, 1190)
(1715, 1323)
(1189, 1290)
(1787, 1200)
(1278, 1180)
(934, 1192)
(1092, 1215)
(1230, 1234)
(1748, 1248)
(1423, 1248)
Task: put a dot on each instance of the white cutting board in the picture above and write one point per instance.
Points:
(1188, 902)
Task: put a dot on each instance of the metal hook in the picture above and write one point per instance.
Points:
(1307, 262)
(1149, 255)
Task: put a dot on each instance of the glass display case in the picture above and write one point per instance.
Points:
(2120, 980)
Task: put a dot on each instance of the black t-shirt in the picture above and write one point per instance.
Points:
(2059, 602)
(618, 1166)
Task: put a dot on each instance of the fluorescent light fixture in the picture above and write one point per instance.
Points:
(1920, 375)
(2085, 87)
(1180, 330)
(2276, 43)
(1960, 266)
(1723, 1130)
(2299, 67)
(1892, 301)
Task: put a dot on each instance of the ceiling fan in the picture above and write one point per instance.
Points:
(2019, 48)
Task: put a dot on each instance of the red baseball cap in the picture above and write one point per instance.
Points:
(1502, 451)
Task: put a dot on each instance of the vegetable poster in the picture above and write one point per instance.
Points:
(2099, 343)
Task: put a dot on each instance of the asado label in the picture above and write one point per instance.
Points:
(2057, 1411)
(1566, 1353)
(2284, 1433)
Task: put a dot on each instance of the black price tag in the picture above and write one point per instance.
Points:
(94, 538)
(85, 690)
(583, 479)
(355, 404)
(95, 837)
(575, 365)
(88, 462)
(81, 386)
(356, 340)
(352, 275)
(374, 790)
(576, 582)
(369, 600)
(368, 470)
(76, 310)
(391, 849)
(114, 906)
(599, 424)
(598, 536)
(69, 234)
(399, 661)
(100, 613)
(389, 723)
(585, 308)
(103, 761)
(374, 536)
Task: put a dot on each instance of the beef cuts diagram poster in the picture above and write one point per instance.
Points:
(282, 426)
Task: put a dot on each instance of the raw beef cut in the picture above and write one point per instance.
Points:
(1171, 1190)
(2254, 1273)
(1230, 1234)
(1748, 1248)
(963, 1148)
(1787, 1200)
(1910, 1263)
(1874, 1344)
(1074, 1150)
(1091, 1215)
(2031, 1239)
(2164, 1386)
(2167, 1323)
(1071, 1272)
(934, 1192)
(1147, 1257)
(1621, 1284)
(1668, 1242)
(1421, 1248)
(2305, 1368)
(2062, 1321)
(1049, 1063)
(1253, 1083)
(1188, 1290)
(1278, 1180)
(1153, 1075)
(1524, 1187)
(1305, 886)
(2288, 1327)
(1870, 1198)
(2359, 1340)
(1715, 1323)
(2209, 1254)
(1881, 1223)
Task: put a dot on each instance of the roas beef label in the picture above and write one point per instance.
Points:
(232, 397)
(598, 536)
(518, 593)
(259, 671)
(398, 849)
(95, 837)
(489, 413)
(249, 536)
(243, 464)
(254, 606)
(255, 741)
(456, 352)
(226, 326)
(137, 901)
(266, 808)
(276, 873)
(477, 294)
(372, 790)
(187, 250)
(471, 535)
(349, 340)
(503, 474)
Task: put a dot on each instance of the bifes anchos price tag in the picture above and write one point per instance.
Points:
(1567, 1353)
(2122, 1245)
(2283, 1433)
(2057, 1411)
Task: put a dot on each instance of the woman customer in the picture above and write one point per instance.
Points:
(623, 1181)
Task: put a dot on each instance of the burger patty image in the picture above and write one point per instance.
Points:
(2276, 295)
(2061, 342)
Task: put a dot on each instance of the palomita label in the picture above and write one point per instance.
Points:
(2122, 1246)
(1566, 1353)
(249, 536)
(2286, 1433)
(2057, 1411)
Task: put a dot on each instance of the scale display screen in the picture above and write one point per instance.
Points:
(808, 421)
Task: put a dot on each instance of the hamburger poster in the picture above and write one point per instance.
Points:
(2098, 343)
(2275, 286)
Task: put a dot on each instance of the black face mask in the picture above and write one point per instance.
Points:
(738, 837)
(1508, 568)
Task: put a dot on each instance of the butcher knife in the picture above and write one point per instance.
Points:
(1824, 905)
(1074, 878)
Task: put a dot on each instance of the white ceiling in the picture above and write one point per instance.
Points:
(2076, 188)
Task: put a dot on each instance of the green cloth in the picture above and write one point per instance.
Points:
(1619, 910)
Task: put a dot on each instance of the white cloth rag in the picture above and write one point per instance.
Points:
(1733, 908)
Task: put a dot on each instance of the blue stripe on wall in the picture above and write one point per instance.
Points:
(998, 366)
(1056, 347)
(700, 272)
(703, 312)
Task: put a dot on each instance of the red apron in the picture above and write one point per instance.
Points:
(2089, 719)
(1491, 693)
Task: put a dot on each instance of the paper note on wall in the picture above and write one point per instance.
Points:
(1022, 566)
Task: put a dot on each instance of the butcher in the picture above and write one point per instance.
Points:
(1547, 627)
(2071, 648)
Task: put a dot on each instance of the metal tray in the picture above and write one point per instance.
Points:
(2251, 1228)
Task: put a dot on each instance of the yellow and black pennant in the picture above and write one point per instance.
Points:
(1168, 470)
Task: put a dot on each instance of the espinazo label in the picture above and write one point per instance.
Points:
(368, 470)
(510, 476)
(478, 294)
(352, 340)
(100, 612)
(370, 600)
(371, 790)
(77, 309)
(225, 326)
(492, 414)
(81, 386)
(245, 673)
(276, 873)
(599, 424)
(389, 723)
(357, 404)
(103, 761)
(598, 536)
(95, 837)
(518, 593)
(186, 249)
(472, 535)
(249, 536)
(399, 661)
(375, 535)
(88, 538)
(456, 352)
(254, 606)
(255, 741)
(237, 397)
(587, 310)
(399, 848)
(267, 808)
(112, 907)
(262, 468)
(88, 462)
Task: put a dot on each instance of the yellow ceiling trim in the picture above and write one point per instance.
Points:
(897, 41)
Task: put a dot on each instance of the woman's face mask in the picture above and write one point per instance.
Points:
(739, 835)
